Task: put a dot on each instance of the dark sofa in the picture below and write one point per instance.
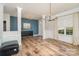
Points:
(26, 33)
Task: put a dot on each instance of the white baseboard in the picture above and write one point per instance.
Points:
(36, 35)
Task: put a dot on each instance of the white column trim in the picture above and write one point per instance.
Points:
(19, 24)
(43, 24)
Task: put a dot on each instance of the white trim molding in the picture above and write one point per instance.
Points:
(19, 10)
(75, 10)
(36, 35)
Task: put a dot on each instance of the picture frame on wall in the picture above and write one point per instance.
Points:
(69, 30)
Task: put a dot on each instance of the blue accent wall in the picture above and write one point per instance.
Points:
(34, 24)
(13, 23)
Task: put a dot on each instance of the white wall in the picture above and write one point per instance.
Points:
(10, 36)
(67, 19)
(49, 29)
(46, 28)
(7, 19)
(63, 20)
(62, 23)
(1, 23)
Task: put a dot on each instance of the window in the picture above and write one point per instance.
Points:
(69, 31)
(26, 26)
(4, 25)
(61, 31)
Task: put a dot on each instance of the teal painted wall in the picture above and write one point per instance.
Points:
(34, 24)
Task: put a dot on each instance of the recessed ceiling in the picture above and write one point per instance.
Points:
(36, 10)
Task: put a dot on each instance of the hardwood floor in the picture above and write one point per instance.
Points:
(35, 46)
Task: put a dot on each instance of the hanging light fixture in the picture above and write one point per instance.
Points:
(49, 18)
(50, 12)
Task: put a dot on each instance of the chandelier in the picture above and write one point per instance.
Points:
(49, 18)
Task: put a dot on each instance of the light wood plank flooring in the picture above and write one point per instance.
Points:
(36, 46)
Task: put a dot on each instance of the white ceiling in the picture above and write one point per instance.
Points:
(36, 10)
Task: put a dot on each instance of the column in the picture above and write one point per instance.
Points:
(19, 24)
(40, 27)
(43, 26)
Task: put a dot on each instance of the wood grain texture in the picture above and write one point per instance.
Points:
(36, 46)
